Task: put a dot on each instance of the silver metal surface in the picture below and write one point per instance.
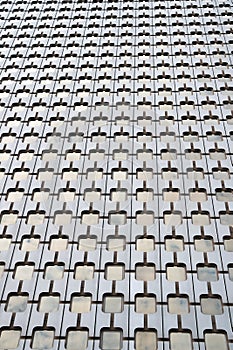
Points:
(116, 217)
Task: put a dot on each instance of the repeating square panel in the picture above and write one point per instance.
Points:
(116, 175)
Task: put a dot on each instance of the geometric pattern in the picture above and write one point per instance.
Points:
(116, 211)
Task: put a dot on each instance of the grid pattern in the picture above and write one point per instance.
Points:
(116, 217)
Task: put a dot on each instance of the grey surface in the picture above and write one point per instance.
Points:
(116, 223)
